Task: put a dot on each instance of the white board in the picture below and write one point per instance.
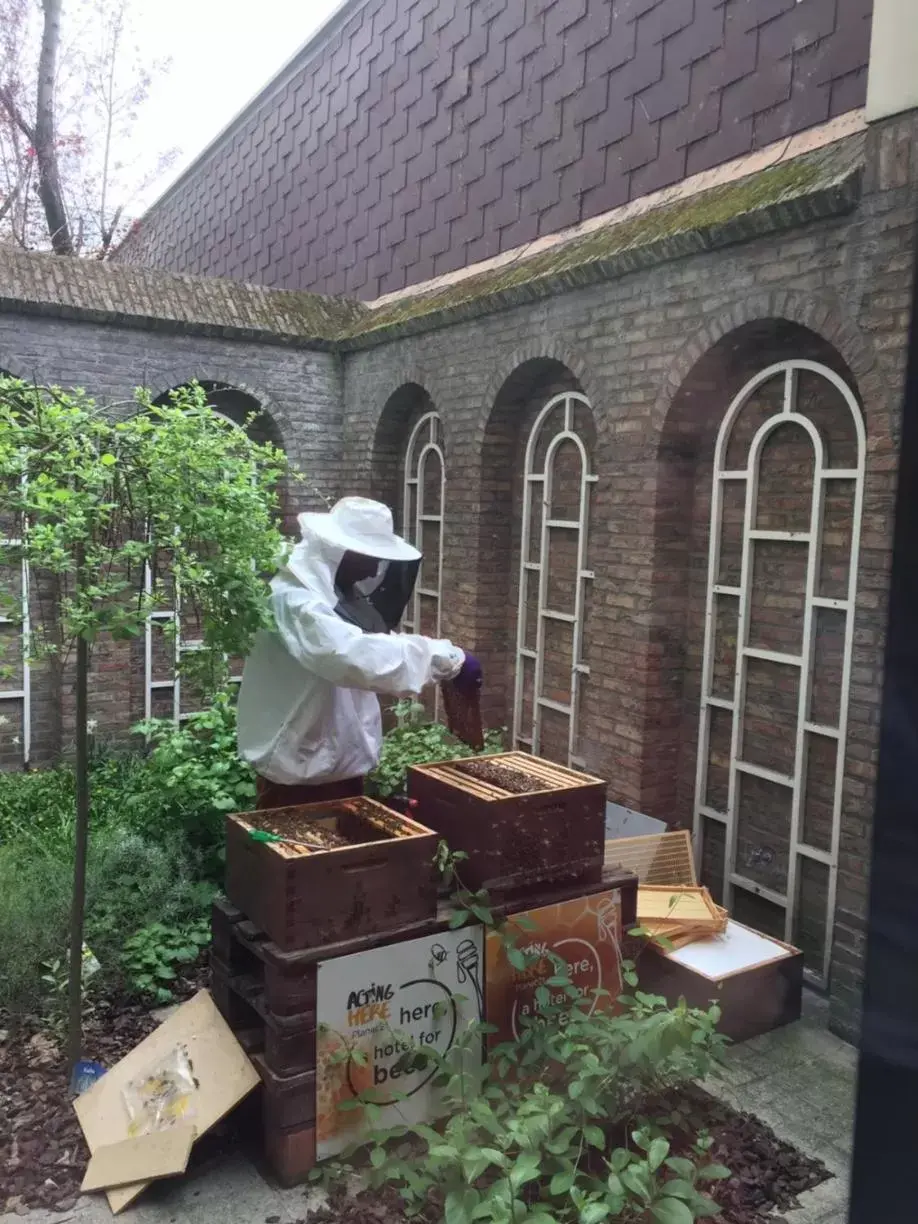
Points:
(387, 1003)
(738, 948)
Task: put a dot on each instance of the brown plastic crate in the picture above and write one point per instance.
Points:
(515, 840)
(287, 1100)
(303, 898)
(290, 1153)
(287, 988)
(287, 1043)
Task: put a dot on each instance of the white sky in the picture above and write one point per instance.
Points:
(223, 52)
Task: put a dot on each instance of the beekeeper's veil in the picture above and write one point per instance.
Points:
(357, 524)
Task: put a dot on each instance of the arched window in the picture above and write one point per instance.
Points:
(423, 510)
(553, 580)
(786, 512)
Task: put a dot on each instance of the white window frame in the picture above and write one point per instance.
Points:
(812, 540)
(540, 483)
(413, 531)
(23, 694)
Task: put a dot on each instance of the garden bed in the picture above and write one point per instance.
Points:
(769, 1175)
(43, 1155)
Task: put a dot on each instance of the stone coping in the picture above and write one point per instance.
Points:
(693, 218)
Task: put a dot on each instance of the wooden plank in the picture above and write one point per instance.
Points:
(676, 904)
(221, 1070)
(655, 858)
(145, 1158)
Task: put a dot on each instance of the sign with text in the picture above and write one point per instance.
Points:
(584, 933)
(377, 1014)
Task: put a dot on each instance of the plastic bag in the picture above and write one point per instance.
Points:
(162, 1096)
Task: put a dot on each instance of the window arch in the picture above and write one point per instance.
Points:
(423, 516)
(786, 513)
(553, 579)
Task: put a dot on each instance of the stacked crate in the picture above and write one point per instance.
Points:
(290, 907)
(289, 910)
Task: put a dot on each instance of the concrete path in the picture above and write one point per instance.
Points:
(799, 1080)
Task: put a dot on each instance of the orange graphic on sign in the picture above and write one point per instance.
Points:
(584, 933)
(341, 1081)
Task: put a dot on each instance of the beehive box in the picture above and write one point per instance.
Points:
(514, 839)
(376, 875)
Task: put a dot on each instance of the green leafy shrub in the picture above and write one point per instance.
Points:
(132, 882)
(415, 740)
(153, 956)
(197, 770)
(558, 1126)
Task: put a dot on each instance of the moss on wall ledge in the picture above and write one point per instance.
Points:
(819, 184)
(815, 185)
(160, 301)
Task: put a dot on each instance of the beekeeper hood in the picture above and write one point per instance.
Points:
(308, 710)
(358, 525)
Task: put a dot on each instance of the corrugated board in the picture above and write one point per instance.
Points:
(222, 1072)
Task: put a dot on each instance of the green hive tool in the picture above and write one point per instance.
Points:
(262, 835)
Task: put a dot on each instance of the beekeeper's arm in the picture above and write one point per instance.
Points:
(394, 664)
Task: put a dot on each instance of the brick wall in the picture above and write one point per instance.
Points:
(300, 394)
(660, 354)
(418, 136)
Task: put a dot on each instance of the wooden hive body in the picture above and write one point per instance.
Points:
(515, 841)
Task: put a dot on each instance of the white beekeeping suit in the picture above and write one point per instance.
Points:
(308, 710)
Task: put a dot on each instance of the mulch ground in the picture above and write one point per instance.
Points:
(768, 1174)
(43, 1156)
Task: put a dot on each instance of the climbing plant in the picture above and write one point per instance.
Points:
(114, 510)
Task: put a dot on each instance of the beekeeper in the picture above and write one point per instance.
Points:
(309, 715)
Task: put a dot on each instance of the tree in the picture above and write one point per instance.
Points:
(71, 84)
(113, 515)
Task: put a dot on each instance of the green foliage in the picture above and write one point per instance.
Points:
(196, 769)
(549, 1129)
(132, 883)
(152, 957)
(114, 513)
(415, 740)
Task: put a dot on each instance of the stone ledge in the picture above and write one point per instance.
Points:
(817, 185)
(161, 301)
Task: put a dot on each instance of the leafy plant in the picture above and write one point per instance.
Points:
(152, 957)
(132, 882)
(415, 740)
(116, 513)
(549, 1128)
(197, 769)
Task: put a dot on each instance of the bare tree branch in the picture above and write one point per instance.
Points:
(72, 79)
(49, 182)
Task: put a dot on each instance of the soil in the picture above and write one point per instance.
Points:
(504, 777)
(42, 1151)
(768, 1174)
